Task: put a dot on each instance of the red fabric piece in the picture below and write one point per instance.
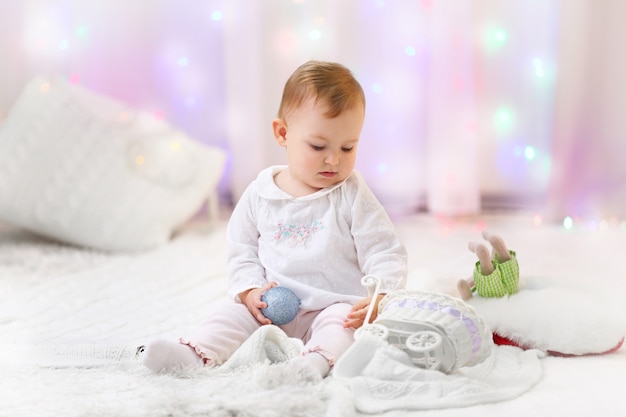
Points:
(501, 340)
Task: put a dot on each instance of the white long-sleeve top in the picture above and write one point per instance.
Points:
(319, 245)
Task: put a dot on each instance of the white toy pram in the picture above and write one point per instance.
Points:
(437, 331)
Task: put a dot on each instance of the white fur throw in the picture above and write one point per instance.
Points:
(85, 169)
(556, 319)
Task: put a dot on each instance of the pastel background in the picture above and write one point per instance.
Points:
(473, 105)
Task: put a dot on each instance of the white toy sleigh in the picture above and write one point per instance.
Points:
(427, 350)
(437, 331)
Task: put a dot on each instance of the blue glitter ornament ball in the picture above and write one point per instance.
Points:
(282, 305)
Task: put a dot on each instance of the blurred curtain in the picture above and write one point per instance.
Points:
(589, 174)
(266, 41)
(459, 92)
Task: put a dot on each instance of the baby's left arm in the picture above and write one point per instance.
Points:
(356, 317)
(380, 251)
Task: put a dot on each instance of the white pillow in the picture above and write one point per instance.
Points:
(85, 169)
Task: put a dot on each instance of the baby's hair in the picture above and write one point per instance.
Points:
(327, 82)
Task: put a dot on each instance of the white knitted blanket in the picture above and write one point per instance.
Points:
(382, 378)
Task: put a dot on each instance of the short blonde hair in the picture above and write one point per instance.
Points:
(328, 82)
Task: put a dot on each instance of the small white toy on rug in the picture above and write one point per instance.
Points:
(437, 331)
(561, 321)
(427, 350)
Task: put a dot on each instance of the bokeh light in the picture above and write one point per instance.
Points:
(539, 68)
(530, 152)
(495, 38)
(315, 34)
(568, 223)
(504, 119)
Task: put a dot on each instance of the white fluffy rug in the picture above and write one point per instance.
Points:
(130, 391)
(256, 381)
(99, 307)
(560, 319)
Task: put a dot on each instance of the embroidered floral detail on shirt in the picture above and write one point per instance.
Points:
(297, 234)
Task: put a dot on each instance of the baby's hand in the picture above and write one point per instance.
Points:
(356, 317)
(252, 300)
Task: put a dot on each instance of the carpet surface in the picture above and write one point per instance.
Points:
(108, 380)
(96, 308)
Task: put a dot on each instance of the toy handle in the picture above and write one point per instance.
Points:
(372, 284)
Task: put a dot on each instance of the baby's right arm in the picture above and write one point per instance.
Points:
(252, 299)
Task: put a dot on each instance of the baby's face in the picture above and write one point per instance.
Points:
(321, 151)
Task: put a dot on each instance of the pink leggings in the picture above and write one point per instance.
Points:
(231, 324)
